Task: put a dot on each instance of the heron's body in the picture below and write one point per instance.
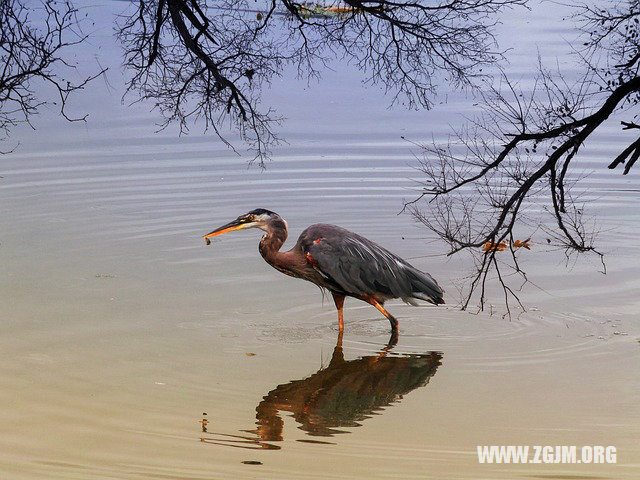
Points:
(343, 262)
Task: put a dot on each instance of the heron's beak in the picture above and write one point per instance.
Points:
(229, 227)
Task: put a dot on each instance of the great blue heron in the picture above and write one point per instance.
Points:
(340, 261)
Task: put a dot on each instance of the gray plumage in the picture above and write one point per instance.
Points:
(358, 266)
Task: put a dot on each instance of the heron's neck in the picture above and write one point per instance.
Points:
(272, 242)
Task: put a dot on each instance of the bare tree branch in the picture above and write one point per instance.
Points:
(491, 182)
(34, 39)
(199, 60)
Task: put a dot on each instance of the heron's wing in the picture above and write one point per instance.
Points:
(362, 267)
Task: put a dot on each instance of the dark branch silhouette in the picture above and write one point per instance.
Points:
(34, 39)
(207, 61)
(489, 184)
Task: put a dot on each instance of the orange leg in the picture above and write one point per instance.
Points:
(394, 323)
(378, 305)
(338, 299)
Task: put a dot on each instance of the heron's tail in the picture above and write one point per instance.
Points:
(425, 287)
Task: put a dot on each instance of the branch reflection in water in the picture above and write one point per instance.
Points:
(341, 395)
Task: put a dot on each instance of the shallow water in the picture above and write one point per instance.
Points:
(121, 331)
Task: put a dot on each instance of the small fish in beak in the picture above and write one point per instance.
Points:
(239, 223)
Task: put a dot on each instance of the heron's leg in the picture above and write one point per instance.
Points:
(391, 318)
(338, 299)
(339, 342)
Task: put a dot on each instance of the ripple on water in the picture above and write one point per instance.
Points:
(109, 380)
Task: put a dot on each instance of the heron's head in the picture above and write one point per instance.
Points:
(259, 218)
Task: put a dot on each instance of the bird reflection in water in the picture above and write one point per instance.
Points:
(338, 396)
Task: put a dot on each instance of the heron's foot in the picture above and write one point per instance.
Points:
(393, 339)
(392, 320)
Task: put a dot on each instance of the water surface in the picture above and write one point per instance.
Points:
(121, 331)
